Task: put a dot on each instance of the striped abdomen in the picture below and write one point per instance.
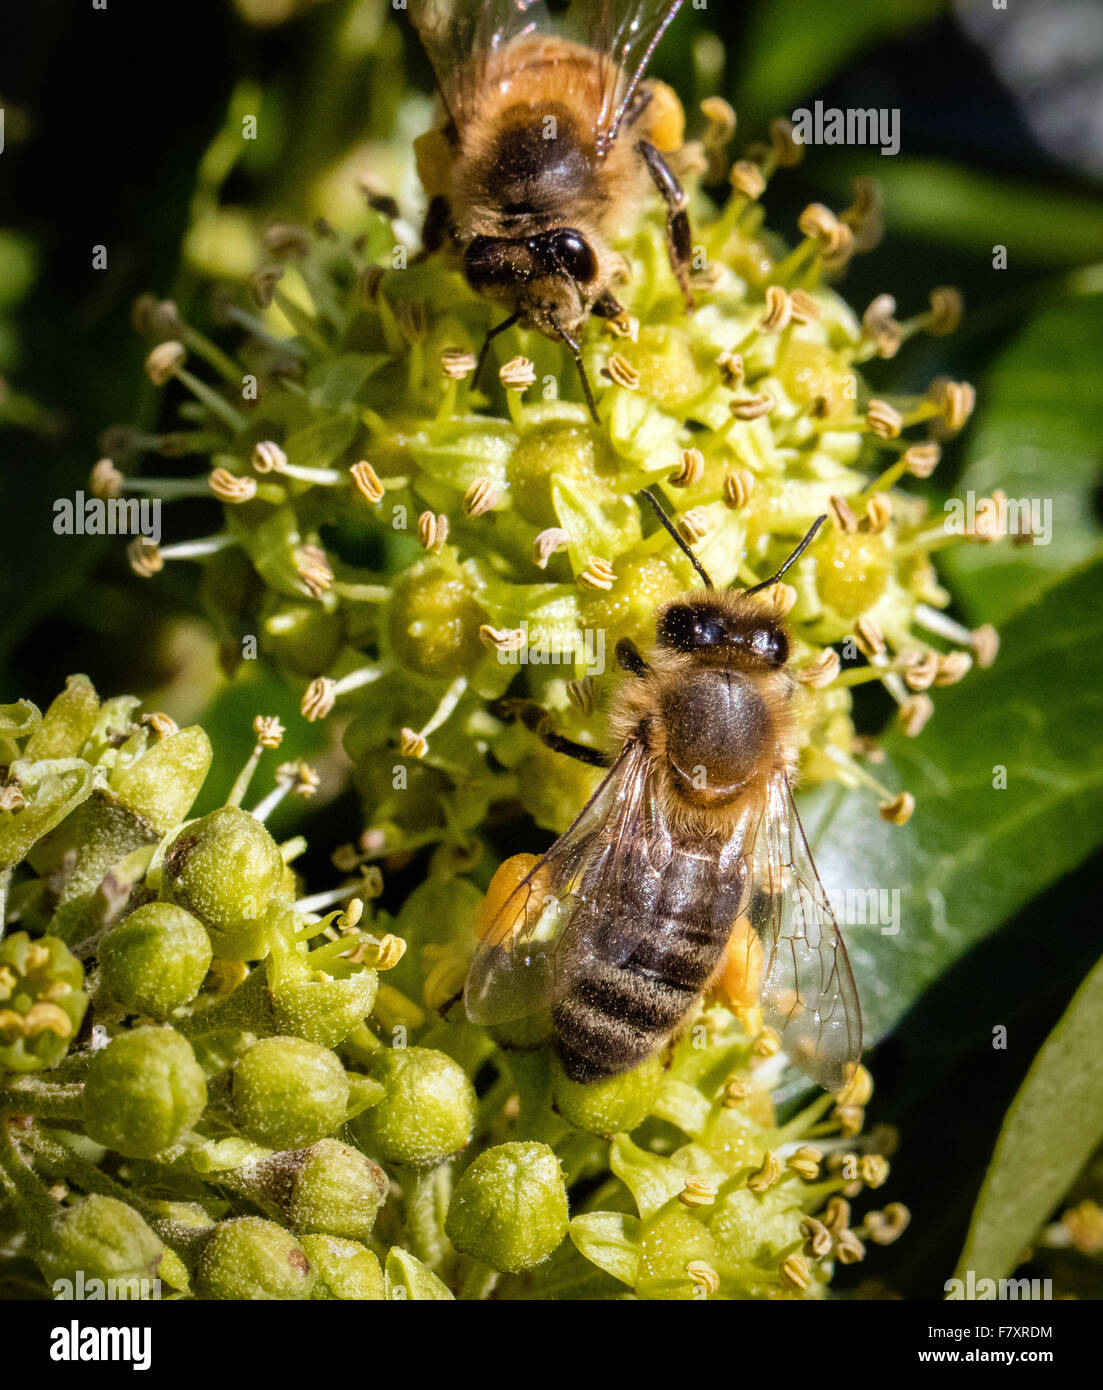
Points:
(614, 1015)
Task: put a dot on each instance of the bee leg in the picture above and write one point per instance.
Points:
(641, 100)
(538, 720)
(385, 204)
(630, 658)
(607, 307)
(498, 328)
(679, 244)
(433, 228)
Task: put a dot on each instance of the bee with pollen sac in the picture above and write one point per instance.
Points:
(693, 833)
(550, 143)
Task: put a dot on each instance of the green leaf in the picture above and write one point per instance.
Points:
(951, 205)
(974, 852)
(1054, 1125)
(610, 1240)
(1037, 436)
(792, 48)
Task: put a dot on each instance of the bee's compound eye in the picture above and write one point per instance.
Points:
(708, 632)
(490, 261)
(675, 628)
(574, 253)
(688, 629)
(771, 644)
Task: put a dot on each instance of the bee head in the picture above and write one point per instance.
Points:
(491, 262)
(706, 627)
(548, 276)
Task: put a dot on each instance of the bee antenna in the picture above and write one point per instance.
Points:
(660, 512)
(801, 548)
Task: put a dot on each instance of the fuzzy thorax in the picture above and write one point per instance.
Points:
(717, 721)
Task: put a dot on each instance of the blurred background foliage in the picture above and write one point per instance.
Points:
(123, 129)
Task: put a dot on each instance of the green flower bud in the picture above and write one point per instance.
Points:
(337, 1191)
(250, 1258)
(161, 786)
(42, 1003)
(428, 1111)
(613, 1106)
(17, 722)
(101, 1236)
(435, 622)
(288, 1092)
(225, 868)
(95, 839)
(509, 1210)
(329, 1188)
(155, 960)
(852, 571)
(67, 724)
(302, 637)
(345, 1269)
(51, 791)
(323, 1011)
(317, 995)
(143, 1092)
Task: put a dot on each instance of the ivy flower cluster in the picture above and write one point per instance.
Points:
(405, 542)
(214, 1080)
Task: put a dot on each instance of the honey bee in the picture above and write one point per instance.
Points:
(627, 919)
(544, 158)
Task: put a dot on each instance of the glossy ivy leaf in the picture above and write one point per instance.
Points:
(791, 48)
(1051, 1130)
(946, 204)
(975, 850)
(1029, 442)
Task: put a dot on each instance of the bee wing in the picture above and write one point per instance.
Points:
(807, 990)
(461, 36)
(520, 965)
(625, 33)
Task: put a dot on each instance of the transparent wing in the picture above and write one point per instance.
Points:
(462, 36)
(595, 876)
(807, 990)
(624, 33)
